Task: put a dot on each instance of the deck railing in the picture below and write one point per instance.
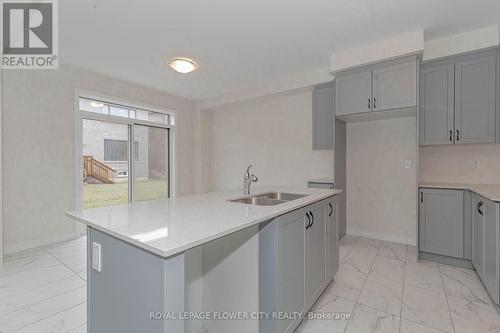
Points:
(97, 169)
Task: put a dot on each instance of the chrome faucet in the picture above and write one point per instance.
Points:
(247, 180)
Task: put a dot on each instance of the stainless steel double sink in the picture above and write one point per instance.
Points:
(269, 199)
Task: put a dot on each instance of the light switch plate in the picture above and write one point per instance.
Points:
(407, 164)
(96, 257)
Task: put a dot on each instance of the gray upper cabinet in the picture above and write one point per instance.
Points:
(385, 86)
(323, 125)
(475, 100)
(291, 253)
(458, 100)
(436, 105)
(353, 93)
(394, 87)
(441, 222)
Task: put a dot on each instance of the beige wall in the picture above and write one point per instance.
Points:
(381, 192)
(455, 163)
(274, 134)
(38, 147)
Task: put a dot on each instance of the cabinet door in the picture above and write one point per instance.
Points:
(323, 125)
(441, 222)
(353, 93)
(332, 257)
(394, 87)
(491, 258)
(316, 262)
(291, 267)
(436, 114)
(475, 100)
(477, 236)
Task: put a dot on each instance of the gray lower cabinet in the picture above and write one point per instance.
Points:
(394, 87)
(441, 222)
(475, 100)
(332, 231)
(316, 236)
(306, 257)
(477, 235)
(323, 122)
(353, 93)
(485, 244)
(291, 264)
(436, 118)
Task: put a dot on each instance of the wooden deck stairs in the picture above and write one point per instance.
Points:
(92, 167)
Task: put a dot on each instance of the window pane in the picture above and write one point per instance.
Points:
(93, 106)
(118, 112)
(105, 166)
(151, 169)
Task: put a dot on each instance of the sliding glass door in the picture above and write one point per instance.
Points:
(151, 166)
(125, 154)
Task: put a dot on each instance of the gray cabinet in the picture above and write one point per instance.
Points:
(291, 260)
(436, 121)
(485, 243)
(477, 236)
(475, 100)
(353, 93)
(441, 222)
(394, 87)
(458, 100)
(332, 232)
(316, 253)
(323, 120)
(380, 87)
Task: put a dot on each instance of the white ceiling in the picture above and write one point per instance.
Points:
(243, 43)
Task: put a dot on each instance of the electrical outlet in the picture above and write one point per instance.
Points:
(408, 164)
(475, 164)
(96, 257)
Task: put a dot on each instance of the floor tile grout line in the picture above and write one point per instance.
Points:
(52, 315)
(76, 273)
(446, 297)
(362, 287)
(403, 291)
(45, 299)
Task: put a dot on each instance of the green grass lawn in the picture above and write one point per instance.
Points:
(99, 195)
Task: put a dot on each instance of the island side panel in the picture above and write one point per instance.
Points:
(132, 284)
(231, 280)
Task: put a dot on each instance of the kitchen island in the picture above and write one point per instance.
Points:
(202, 263)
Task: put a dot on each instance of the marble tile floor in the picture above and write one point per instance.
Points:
(380, 287)
(385, 289)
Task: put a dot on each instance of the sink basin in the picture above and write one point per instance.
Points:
(281, 196)
(258, 201)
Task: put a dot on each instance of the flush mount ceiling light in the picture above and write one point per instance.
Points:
(182, 65)
(96, 104)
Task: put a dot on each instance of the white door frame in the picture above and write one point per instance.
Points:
(79, 116)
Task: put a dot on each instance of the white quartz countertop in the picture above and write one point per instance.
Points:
(171, 226)
(489, 191)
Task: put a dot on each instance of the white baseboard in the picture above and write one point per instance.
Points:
(380, 236)
(10, 249)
